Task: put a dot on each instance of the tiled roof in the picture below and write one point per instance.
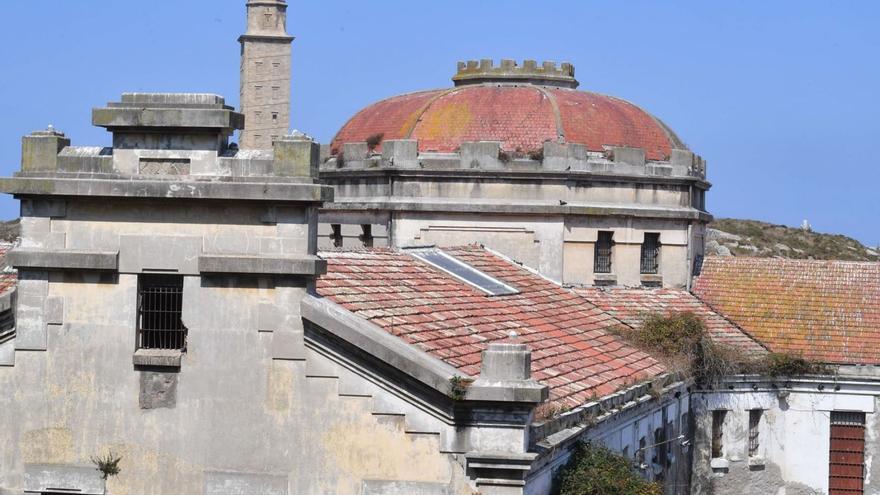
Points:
(630, 305)
(828, 311)
(520, 117)
(573, 351)
(8, 277)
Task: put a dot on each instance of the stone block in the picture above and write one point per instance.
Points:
(269, 318)
(682, 157)
(54, 310)
(220, 483)
(559, 156)
(44, 208)
(87, 159)
(30, 325)
(658, 169)
(288, 345)
(355, 151)
(62, 259)
(162, 358)
(481, 154)
(157, 390)
(383, 487)
(506, 362)
(180, 254)
(267, 265)
(56, 478)
(296, 156)
(401, 153)
(7, 353)
(631, 156)
(39, 150)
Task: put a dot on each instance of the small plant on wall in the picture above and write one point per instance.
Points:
(108, 464)
(458, 387)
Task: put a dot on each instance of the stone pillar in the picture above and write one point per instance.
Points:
(500, 459)
(296, 155)
(39, 150)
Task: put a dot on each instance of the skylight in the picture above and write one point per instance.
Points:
(463, 272)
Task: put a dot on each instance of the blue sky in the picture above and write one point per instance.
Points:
(779, 97)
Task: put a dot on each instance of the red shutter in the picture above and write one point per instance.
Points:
(846, 470)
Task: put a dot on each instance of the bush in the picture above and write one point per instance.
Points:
(374, 140)
(674, 334)
(780, 364)
(595, 470)
(681, 341)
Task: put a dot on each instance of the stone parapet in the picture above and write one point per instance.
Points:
(488, 155)
(485, 71)
(88, 185)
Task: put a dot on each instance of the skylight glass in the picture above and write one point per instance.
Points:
(463, 272)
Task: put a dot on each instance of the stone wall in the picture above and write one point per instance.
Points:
(253, 407)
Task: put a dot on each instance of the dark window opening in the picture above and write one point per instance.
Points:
(604, 243)
(336, 234)
(846, 470)
(717, 433)
(754, 422)
(274, 116)
(367, 235)
(651, 253)
(640, 454)
(160, 305)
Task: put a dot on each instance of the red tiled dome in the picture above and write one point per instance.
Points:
(521, 116)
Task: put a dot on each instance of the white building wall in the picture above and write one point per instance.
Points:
(794, 438)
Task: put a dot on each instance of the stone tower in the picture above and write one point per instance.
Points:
(265, 74)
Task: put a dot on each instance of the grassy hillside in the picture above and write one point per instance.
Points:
(754, 238)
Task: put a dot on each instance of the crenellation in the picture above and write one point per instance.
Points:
(485, 71)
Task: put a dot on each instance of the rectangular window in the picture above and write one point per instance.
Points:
(717, 433)
(651, 253)
(846, 470)
(274, 116)
(160, 305)
(258, 117)
(754, 423)
(604, 243)
(367, 235)
(276, 92)
(336, 234)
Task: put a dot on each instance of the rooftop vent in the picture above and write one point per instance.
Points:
(462, 271)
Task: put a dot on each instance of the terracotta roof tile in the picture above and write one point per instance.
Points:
(824, 310)
(573, 351)
(520, 117)
(630, 305)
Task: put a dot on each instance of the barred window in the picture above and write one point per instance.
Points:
(160, 304)
(604, 243)
(651, 253)
(754, 422)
